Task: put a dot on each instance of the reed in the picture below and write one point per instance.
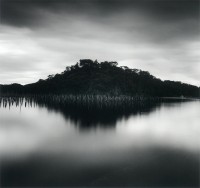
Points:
(89, 101)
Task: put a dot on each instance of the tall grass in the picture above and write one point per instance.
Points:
(99, 101)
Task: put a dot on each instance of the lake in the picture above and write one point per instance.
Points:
(155, 145)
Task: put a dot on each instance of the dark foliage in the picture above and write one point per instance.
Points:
(93, 78)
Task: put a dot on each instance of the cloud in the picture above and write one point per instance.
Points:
(38, 38)
(22, 12)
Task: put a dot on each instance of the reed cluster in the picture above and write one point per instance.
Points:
(99, 101)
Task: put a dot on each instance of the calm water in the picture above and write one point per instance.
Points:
(155, 145)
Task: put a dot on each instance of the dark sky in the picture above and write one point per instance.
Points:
(42, 37)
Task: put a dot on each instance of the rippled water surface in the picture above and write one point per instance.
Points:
(156, 145)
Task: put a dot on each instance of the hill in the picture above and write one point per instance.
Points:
(91, 78)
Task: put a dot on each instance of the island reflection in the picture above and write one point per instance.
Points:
(43, 144)
(88, 116)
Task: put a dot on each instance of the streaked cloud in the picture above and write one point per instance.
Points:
(39, 38)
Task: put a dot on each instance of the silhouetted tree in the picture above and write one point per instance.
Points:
(92, 77)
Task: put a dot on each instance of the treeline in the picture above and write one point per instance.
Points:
(89, 77)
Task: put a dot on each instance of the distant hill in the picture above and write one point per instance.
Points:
(91, 77)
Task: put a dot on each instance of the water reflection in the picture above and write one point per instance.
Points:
(154, 168)
(152, 144)
(89, 116)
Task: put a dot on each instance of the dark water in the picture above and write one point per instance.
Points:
(154, 145)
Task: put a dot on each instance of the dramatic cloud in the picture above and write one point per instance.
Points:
(42, 37)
